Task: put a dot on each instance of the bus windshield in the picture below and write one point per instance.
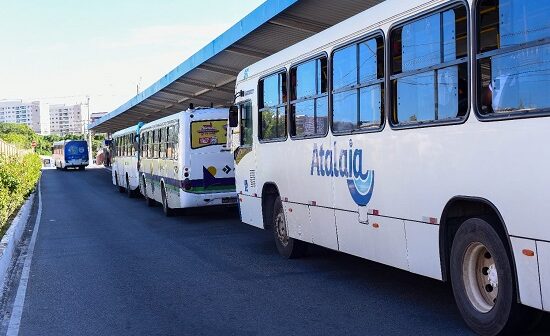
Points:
(207, 133)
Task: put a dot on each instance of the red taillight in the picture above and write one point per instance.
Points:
(186, 184)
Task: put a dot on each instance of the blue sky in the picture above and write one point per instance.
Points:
(61, 51)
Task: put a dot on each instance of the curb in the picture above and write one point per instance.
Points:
(13, 236)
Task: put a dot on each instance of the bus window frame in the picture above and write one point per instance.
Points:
(385, 112)
(476, 85)
(240, 104)
(285, 105)
(311, 97)
(466, 59)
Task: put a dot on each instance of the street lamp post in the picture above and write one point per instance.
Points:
(89, 132)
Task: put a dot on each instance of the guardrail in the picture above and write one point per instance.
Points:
(11, 150)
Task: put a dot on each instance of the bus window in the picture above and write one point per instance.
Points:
(162, 142)
(156, 143)
(358, 86)
(309, 105)
(150, 144)
(429, 69)
(512, 80)
(169, 132)
(176, 141)
(142, 145)
(246, 124)
(272, 107)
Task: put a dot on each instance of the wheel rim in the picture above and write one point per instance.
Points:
(280, 226)
(480, 276)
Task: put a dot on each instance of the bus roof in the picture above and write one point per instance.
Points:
(356, 26)
(196, 111)
(128, 130)
(63, 142)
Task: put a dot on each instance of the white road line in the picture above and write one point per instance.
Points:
(19, 304)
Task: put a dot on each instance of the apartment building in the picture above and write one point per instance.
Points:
(66, 119)
(31, 113)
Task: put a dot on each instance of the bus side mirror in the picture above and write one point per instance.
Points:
(234, 116)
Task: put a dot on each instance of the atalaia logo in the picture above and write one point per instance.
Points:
(344, 163)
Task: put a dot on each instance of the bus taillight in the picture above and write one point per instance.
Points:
(186, 184)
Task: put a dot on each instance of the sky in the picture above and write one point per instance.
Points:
(62, 51)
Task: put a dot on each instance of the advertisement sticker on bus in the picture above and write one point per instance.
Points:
(208, 133)
(346, 163)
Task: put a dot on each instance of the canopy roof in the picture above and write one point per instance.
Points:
(208, 77)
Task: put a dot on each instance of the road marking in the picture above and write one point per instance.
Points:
(19, 304)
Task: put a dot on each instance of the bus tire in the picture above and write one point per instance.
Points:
(129, 191)
(168, 212)
(149, 201)
(288, 247)
(82, 168)
(120, 188)
(483, 280)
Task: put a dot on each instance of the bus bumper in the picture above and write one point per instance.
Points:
(191, 200)
(543, 249)
(76, 163)
(533, 272)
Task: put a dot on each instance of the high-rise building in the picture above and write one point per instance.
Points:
(66, 119)
(96, 115)
(31, 113)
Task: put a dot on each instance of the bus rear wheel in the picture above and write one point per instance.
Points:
(483, 280)
(120, 188)
(149, 201)
(288, 247)
(129, 191)
(165, 208)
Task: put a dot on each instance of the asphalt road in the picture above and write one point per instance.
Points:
(107, 265)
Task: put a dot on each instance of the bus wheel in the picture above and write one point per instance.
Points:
(149, 201)
(483, 280)
(129, 191)
(288, 247)
(165, 208)
(120, 188)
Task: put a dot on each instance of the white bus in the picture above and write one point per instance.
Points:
(413, 134)
(70, 154)
(124, 161)
(184, 162)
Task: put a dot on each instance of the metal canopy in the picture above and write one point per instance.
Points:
(208, 77)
